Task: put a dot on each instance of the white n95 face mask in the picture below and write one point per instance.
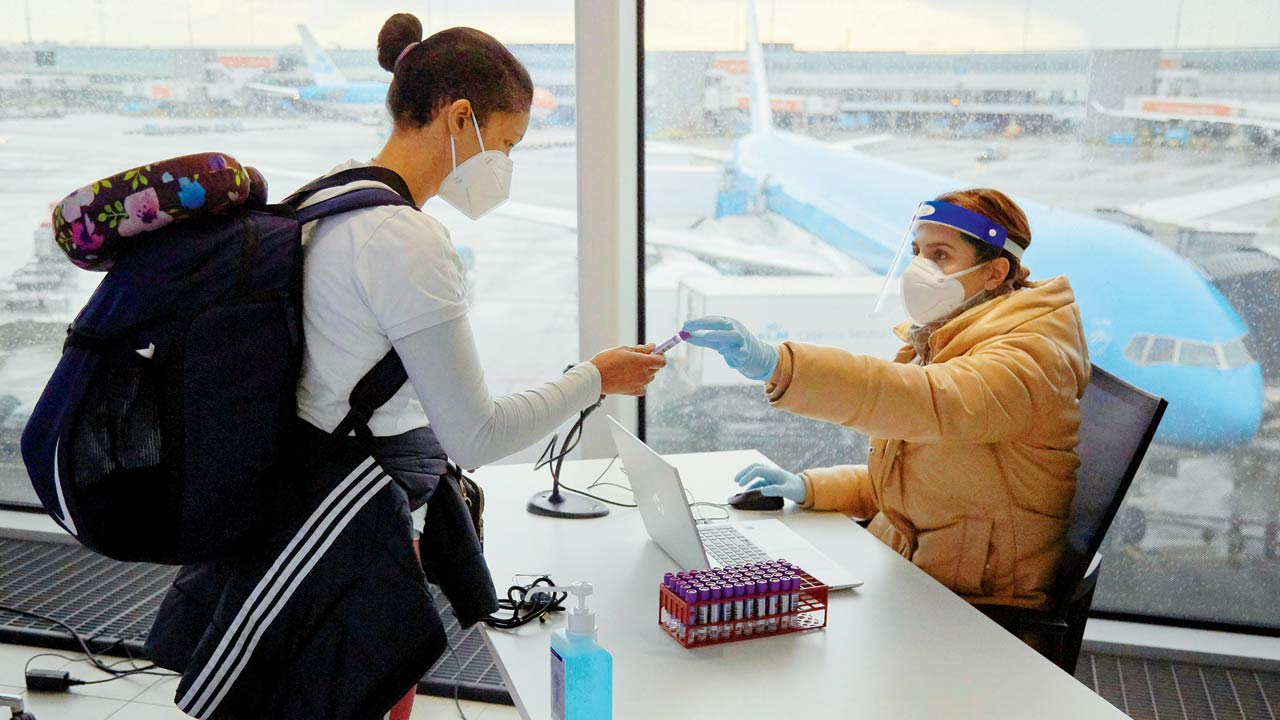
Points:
(480, 184)
(929, 294)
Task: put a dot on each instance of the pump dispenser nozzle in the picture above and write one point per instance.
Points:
(582, 619)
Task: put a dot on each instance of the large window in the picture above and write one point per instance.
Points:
(132, 87)
(1144, 144)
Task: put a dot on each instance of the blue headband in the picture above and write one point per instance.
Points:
(975, 225)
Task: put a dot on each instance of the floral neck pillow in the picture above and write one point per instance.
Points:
(94, 224)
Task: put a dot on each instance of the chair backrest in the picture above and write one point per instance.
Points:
(1117, 422)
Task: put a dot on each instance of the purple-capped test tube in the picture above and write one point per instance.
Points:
(775, 588)
(704, 594)
(784, 604)
(671, 342)
(713, 613)
(684, 624)
(739, 591)
(762, 602)
(790, 599)
(668, 583)
(682, 591)
(726, 607)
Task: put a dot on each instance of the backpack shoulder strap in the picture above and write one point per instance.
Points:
(374, 173)
(357, 199)
(349, 201)
(385, 378)
(371, 392)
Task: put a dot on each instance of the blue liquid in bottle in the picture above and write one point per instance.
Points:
(581, 670)
(581, 678)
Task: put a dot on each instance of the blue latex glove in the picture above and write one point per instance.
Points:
(772, 481)
(742, 351)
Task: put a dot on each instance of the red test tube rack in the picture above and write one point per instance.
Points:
(740, 602)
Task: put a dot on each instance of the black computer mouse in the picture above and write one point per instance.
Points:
(754, 500)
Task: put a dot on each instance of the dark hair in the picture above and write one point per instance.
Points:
(455, 64)
(999, 208)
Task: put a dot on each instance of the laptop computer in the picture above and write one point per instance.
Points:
(664, 507)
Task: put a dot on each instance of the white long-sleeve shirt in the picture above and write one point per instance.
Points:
(472, 426)
(389, 276)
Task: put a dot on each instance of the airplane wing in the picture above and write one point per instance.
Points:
(276, 90)
(656, 147)
(706, 246)
(364, 112)
(858, 142)
(1234, 121)
(1191, 210)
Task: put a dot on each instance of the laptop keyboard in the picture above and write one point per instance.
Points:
(727, 546)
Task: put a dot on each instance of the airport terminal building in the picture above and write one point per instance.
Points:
(705, 92)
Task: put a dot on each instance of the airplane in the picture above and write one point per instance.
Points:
(365, 101)
(330, 89)
(1149, 316)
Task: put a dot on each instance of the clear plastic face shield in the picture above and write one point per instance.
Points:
(942, 215)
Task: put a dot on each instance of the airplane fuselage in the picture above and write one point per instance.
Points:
(363, 93)
(1128, 286)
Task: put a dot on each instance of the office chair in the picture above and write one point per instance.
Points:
(1117, 422)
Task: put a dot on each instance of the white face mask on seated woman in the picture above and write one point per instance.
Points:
(929, 293)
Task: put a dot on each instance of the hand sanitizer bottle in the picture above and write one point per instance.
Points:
(581, 670)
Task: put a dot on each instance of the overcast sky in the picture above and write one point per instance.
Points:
(913, 25)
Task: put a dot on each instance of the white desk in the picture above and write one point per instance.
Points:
(901, 646)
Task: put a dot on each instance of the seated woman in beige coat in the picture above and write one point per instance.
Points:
(973, 425)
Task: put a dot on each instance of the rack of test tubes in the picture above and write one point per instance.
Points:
(740, 602)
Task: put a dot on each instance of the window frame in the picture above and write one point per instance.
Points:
(1173, 353)
(1139, 357)
(609, 66)
(1239, 342)
(1196, 346)
(611, 96)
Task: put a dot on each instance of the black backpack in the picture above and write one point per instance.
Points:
(158, 435)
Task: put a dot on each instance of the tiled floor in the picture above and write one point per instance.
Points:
(144, 697)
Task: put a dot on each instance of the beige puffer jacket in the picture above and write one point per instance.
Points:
(973, 462)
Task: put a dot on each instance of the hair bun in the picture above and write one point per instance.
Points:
(398, 32)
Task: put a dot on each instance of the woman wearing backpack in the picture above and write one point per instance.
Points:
(331, 617)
